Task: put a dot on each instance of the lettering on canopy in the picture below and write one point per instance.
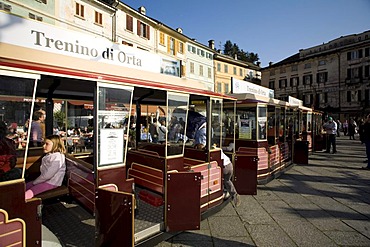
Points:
(239, 86)
(42, 37)
(109, 53)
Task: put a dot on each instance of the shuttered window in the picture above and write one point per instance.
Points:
(143, 30)
(181, 47)
(98, 18)
(129, 23)
(80, 10)
(161, 39)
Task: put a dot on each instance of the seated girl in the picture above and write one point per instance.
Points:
(53, 167)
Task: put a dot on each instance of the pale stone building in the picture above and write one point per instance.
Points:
(199, 61)
(91, 17)
(133, 28)
(227, 67)
(42, 10)
(180, 56)
(332, 77)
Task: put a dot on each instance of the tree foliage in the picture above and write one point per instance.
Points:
(231, 50)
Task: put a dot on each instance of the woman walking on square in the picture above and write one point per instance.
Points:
(352, 125)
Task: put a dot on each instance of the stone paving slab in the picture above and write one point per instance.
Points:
(230, 226)
(324, 203)
(269, 235)
(233, 241)
(330, 224)
(304, 233)
(348, 238)
(360, 226)
(256, 217)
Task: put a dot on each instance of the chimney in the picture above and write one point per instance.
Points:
(211, 44)
(236, 56)
(270, 63)
(142, 10)
(258, 64)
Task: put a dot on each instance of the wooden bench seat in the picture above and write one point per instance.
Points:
(74, 168)
(147, 177)
(54, 193)
(81, 184)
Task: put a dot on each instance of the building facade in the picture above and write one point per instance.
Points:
(332, 77)
(199, 61)
(42, 10)
(180, 56)
(227, 67)
(133, 28)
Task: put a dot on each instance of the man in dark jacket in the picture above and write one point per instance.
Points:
(365, 135)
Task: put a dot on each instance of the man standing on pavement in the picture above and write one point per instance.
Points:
(331, 130)
(366, 139)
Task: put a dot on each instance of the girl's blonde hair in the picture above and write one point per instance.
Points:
(58, 144)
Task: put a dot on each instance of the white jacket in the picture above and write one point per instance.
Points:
(53, 169)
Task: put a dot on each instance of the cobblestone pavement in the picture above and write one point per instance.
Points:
(324, 203)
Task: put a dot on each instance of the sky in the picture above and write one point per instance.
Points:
(274, 29)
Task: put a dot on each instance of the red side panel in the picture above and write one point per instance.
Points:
(183, 201)
(16, 207)
(114, 218)
(274, 157)
(245, 174)
(12, 232)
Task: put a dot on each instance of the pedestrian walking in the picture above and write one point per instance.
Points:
(352, 125)
(365, 135)
(339, 127)
(360, 129)
(345, 127)
(331, 130)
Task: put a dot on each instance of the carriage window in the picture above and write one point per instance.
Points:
(196, 124)
(262, 117)
(176, 119)
(309, 121)
(15, 106)
(303, 121)
(277, 122)
(114, 107)
(16, 95)
(228, 125)
(292, 123)
(74, 124)
(246, 123)
(282, 124)
(271, 125)
(217, 126)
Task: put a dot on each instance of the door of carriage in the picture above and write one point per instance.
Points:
(182, 187)
(21, 219)
(114, 198)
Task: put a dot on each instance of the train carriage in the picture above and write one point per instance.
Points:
(133, 188)
(262, 129)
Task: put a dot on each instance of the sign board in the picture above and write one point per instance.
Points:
(239, 86)
(44, 37)
(294, 101)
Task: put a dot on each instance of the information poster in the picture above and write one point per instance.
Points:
(245, 128)
(262, 127)
(111, 146)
